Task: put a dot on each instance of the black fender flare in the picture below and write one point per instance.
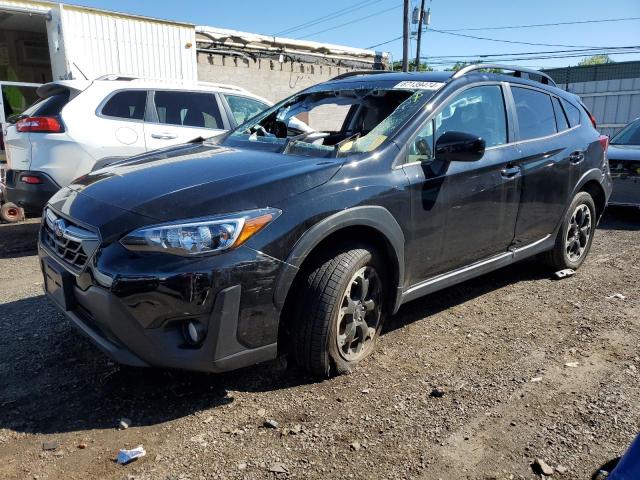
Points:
(592, 174)
(372, 216)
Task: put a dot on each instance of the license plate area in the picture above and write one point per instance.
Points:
(58, 284)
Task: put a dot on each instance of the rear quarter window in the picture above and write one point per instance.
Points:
(573, 114)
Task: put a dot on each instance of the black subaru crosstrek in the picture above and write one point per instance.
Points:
(299, 231)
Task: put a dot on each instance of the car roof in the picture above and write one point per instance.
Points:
(381, 75)
(116, 82)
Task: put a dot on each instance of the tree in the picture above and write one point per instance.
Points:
(397, 67)
(596, 60)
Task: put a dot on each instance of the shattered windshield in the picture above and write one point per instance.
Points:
(335, 121)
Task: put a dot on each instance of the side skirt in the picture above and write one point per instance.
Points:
(487, 265)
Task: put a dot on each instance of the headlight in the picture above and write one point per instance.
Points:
(201, 235)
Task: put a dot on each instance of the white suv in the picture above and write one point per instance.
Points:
(78, 126)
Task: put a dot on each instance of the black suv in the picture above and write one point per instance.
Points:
(298, 231)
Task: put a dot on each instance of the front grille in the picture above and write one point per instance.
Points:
(69, 242)
(624, 168)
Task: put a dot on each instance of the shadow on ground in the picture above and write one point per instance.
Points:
(53, 380)
(620, 218)
(19, 239)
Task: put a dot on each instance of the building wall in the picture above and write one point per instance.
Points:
(613, 103)
(267, 78)
(610, 91)
(99, 43)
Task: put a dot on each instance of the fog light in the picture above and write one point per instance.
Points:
(193, 332)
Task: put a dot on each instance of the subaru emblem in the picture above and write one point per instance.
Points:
(59, 227)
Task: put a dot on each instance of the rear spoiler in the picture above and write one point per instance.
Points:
(53, 88)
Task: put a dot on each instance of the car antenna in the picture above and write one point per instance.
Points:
(76, 65)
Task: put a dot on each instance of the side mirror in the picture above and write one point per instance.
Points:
(459, 147)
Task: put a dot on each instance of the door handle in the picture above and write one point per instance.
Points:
(163, 136)
(510, 172)
(576, 157)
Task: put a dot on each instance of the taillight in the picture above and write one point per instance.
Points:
(30, 179)
(40, 124)
(593, 120)
(604, 141)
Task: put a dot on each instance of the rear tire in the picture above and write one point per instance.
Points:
(10, 212)
(339, 312)
(575, 236)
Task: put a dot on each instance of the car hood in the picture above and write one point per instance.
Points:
(197, 180)
(623, 152)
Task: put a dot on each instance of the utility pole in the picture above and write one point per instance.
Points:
(420, 16)
(405, 37)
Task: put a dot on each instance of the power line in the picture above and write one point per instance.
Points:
(611, 50)
(351, 22)
(384, 43)
(517, 59)
(506, 27)
(329, 16)
(452, 31)
(509, 41)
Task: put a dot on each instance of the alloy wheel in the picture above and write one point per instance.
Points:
(359, 316)
(578, 233)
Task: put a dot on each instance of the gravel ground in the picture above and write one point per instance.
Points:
(472, 382)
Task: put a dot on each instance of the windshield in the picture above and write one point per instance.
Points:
(629, 135)
(335, 121)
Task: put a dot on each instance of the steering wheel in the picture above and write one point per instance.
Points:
(259, 130)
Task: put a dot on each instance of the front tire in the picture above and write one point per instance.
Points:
(576, 234)
(339, 312)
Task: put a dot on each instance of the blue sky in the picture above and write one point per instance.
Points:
(384, 22)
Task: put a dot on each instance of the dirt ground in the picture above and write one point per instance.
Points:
(529, 367)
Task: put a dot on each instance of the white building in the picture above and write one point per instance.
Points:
(42, 41)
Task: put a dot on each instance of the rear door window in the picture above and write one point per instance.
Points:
(536, 117)
(243, 108)
(561, 119)
(573, 114)
(129, 104)
(188, 109)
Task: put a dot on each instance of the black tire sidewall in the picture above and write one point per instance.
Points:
(582, 198)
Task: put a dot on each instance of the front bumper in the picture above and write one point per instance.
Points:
(626, 191)
(625, 177)
(31, 197)
(136, 317)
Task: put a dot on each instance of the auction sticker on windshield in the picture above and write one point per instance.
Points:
(414, 85)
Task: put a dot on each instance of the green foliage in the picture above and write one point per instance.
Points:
(397, 67)
(596, 60)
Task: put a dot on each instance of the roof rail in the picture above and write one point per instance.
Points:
(358, 72)
(223, 86)
(517, 71)
(117, 76)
